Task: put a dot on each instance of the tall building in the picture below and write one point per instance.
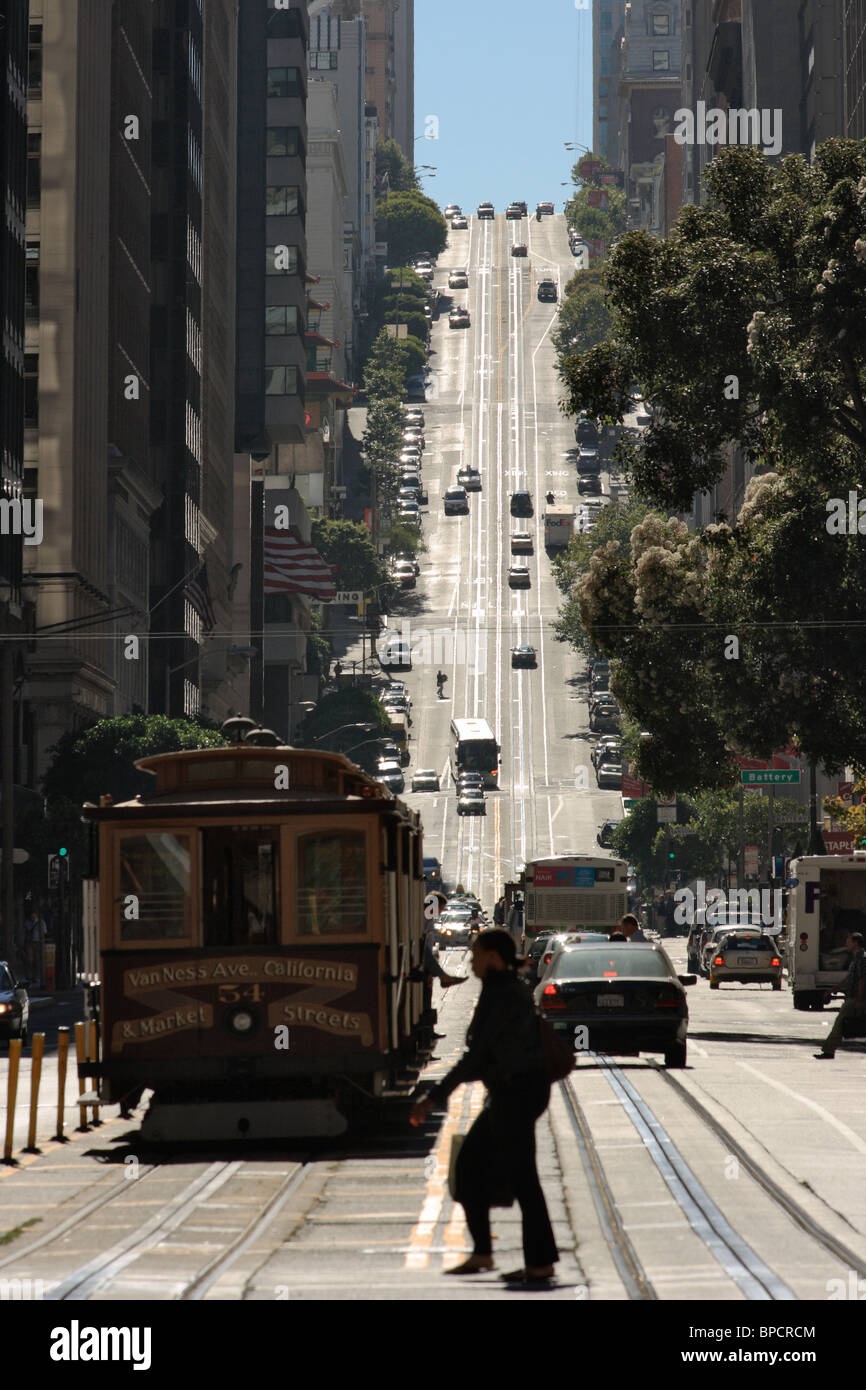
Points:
(608, 17)
(648, 97)
(14, 767)
(273, 416)
(338, 58)
(404, 70)
(67, 362)
(129, 355)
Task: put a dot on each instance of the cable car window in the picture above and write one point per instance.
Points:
(154, 883)
(241, 886)
(332, 884)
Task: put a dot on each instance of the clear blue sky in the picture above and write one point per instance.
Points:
(509, 83)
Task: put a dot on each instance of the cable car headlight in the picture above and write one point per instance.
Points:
(242, 1022)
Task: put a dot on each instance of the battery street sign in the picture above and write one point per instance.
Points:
(769, 777)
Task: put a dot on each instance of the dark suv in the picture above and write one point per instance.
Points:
(521, 504)
(547, 291)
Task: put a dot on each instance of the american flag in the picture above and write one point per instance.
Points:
(293, 566)
(198, 594)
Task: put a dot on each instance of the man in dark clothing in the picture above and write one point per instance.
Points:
(504, 1051)
(855, 996)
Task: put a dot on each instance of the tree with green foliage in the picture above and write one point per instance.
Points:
(584, 318)
(391, 160)
(95, 761)
(348, 707)
(348, 545)
(745, 327)
(414, 353)
(594, 223)
(711, 850)
(410, 223)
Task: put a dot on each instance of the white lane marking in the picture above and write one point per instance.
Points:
(854, 1139)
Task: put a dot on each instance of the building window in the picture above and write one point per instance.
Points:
(34, 169)
(281, 260)
(31, 290)
(602, 89)
(283, 141)
(34, 62)
(605, 65)
(31, 391)
(602, 113)
(322, 59)
(605, 20)
(661, 24)
(281, 381)
(661, 60)
(282, 200)
(155, 867)
(281, 320)
(285, 82)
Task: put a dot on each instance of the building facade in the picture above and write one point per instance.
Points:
(608, 18)
(648, 98)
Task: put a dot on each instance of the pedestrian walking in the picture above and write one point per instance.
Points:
(338, 671)
(504, 1050)
(629, 926)
(854, 1003)
(499, 912)
(34, 938)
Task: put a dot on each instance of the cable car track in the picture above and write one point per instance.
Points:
(753, 1277)
(92, 1277)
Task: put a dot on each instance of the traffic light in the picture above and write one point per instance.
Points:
(63, 851)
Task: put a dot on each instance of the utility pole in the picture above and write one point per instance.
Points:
(771, 818)
(741, 845)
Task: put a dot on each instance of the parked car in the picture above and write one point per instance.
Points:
(14, 1004)
(455, 501)
(586, 431)
(588, 461)
(521, 504)
(458, 280)
(547, 292)
(523, 656)
(609, 775)
(607, 750)
(521, 543)
(425, 780)
(470, 478)
(625, 993)
(605, 833)
(519, 577)
(390, 774)
(589, 485)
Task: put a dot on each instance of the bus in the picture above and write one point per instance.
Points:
(827, 900)
(573, 892)
(475, 749)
